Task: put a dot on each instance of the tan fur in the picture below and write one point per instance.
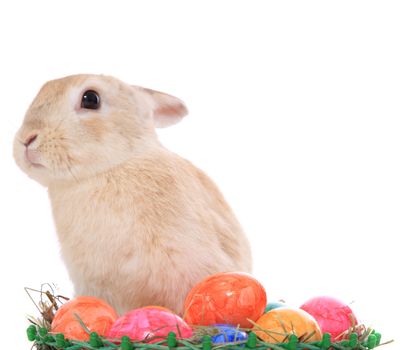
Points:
(137, 224)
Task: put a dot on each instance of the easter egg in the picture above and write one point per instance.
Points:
(149, 323)
(228, 334)
(95, 313)
(274, 305)
(225, 298)
(157, 307)
(332, 315)
(276, 325)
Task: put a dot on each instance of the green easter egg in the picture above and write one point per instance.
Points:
(274, 305)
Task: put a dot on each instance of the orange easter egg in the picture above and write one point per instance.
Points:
(225, 298)
(95, 313)
(276, 325)
(158, 307)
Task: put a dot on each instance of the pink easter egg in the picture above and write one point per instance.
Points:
(149, 323)
(333, 316)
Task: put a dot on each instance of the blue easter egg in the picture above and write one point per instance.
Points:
(228, 334)
(273, 305)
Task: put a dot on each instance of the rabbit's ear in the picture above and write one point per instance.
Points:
(167, 109)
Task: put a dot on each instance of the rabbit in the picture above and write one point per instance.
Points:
(137, 224)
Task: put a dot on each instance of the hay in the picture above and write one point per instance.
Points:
(357, 337)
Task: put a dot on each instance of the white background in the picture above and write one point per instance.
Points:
(296, 111)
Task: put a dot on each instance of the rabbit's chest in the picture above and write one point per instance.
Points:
(108, 217)
(92, 229)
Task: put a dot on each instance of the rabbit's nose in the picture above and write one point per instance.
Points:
(30, 139)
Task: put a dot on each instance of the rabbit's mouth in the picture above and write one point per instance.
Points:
(33, 158)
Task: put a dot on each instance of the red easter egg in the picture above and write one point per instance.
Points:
(149, 322)
(95, 313)
(332, 315)
(225, 298)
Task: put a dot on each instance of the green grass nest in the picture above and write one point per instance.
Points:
(357, 338)
(47, 341)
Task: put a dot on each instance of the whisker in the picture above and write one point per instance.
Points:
(60, 124)
(69, 167)
(71, 173)
(20, 140)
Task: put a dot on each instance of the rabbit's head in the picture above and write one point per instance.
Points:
(82, 125)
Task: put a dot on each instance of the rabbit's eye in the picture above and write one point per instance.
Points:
(90, 100)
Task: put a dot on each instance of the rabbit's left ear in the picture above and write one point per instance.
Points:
(167, 109)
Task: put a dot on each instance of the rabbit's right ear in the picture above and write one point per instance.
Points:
(167, 109)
